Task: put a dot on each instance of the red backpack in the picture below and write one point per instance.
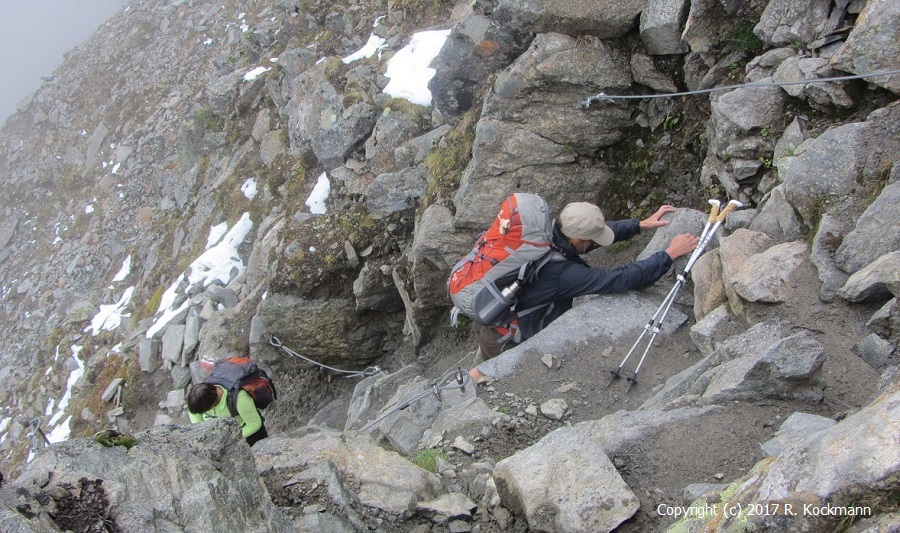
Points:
(242, 373)
(485, 284)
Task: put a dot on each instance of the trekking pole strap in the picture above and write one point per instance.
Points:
(369, 371)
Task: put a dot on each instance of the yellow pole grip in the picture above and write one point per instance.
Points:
(714, 211)
(731, 206)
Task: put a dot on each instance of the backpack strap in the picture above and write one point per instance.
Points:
(231, 400)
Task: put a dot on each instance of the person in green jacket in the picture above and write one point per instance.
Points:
(207, 401)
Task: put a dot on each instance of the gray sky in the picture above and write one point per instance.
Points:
(36, 34)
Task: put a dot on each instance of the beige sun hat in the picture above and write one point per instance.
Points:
(581, 220)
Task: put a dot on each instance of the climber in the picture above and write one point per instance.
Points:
(579, 229)
(206, 401)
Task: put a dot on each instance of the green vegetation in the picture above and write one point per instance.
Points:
(427, 459)
(671, 122)
(446, 163)
(206, 119)
(743, 38)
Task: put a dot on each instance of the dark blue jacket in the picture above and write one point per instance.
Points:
(567, 276)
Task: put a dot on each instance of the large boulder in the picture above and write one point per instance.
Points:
(793, 21)
(821, 178)
(872, 236)
(195, 478)
(528, 135)
(874, 44)
(605, 19)
(624, 429)
(381, 479)
(565, 483)
(435, 250)
(662, 23)
(321, 122)
(826, 476)
(877, 281)
(734, 252)
(329, 331)
(605, 319)
(770, 276)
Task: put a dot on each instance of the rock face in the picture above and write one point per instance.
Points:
(343, 208)
(800, 478)
(211, 466)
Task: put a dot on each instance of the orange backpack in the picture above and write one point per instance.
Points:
(485, 284)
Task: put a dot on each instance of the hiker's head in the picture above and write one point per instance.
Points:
(202, 398)
(584, 225)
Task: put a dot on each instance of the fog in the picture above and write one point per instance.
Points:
(36, 34)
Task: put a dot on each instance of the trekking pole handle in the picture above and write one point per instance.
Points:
(714, 211)
(727, 209)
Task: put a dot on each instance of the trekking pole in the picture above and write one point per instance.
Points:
(682, 279)
(615, 374)
(445, 383)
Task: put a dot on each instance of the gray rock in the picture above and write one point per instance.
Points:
(385, 480)
(231, 95)
(414, 151)
(820, 178)
(856, 456)
(435, 250)
(111, 389)
(393, 128)
(709, 288)
(824, 244)
(372, 394)
(872, 238)
(172, 343)
(880, 322)
(769, 276)
(605, 19)
(528, 131)
(271, 146)
(662, 22)
(322, 123)
(875, 351)
(776, 218)
(706, 25)
(606, 319)
(223, 296)
(477, 47)
(22, 512)
(789, 369)
(878, 280)
(681, 221)
(181, 376)
(464, 419)
(688, 385)
(564, 483)
(375, 290)
(209, 461)
(554, 408)
(446, 507)
(396, 191)
(148, 354)
(712, 329)
(326, 330)
(796, 429)
(734, 252)
(793, 21)
(404, 428)
(791, 139)
(192, 325)
(644, 72)
(873, 43)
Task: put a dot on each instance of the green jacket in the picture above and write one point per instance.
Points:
(248, 416)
